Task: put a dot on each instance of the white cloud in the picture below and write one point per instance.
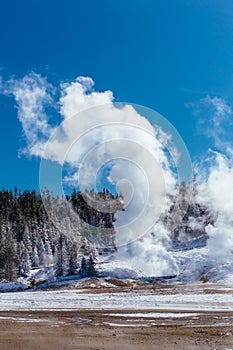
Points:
(32, 94)
(96, 120)
(80, 95)
(215, 120)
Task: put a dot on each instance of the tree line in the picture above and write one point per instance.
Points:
(34, 237)
(31, 238)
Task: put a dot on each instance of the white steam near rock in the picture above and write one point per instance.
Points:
(216, 190)
(217, 193)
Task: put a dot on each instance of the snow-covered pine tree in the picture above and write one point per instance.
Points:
(91, 271)
(61, 257)
(48, 253)
(24, 261)
(35, 258)
(73, 259)
(87, 268)
(2, 250)
(9, 254)
(27, 239)
(83, 268)
(41, 252)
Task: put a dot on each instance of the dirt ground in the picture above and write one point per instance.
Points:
(102, 330)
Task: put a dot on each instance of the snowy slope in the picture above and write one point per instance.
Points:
(199, 265)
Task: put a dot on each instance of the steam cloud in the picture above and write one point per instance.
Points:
(133, 139)
(35, 98)
(216, 189)
(216, 193)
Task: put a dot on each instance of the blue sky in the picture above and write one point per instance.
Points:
(166, 55)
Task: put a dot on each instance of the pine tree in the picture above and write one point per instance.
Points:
(87, 267)
(61, 257)
(27, 239)
(73, 264)
(9, 251)
(24, 266)
(48, 253)
(35, 258)
(83, 268)
(91, 271)
(2, 251)
(41, 252)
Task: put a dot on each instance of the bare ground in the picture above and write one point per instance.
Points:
(98, 330)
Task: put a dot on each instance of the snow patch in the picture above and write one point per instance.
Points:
(12, 287)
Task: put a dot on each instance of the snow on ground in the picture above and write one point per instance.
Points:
(71, 300)
(24, 319)
(12, 287)
(125, 324)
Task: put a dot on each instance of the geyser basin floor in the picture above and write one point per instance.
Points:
(97, 329)
(164, 318)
